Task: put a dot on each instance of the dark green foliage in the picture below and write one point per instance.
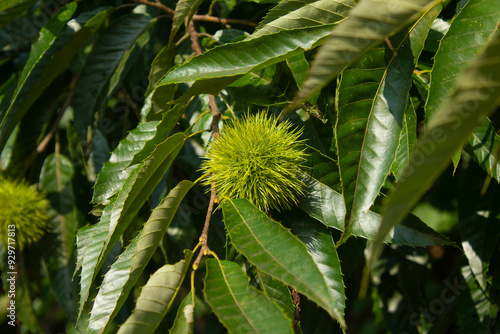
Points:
(342, 124)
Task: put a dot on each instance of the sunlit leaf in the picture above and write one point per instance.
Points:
(134, 148)
(240, 307)
(268, 246)
(368, 24)
(125, 272)
(156, 298)
(295, 14)
(327, 206)
(95, 243)
(218, 67)
(321, 247)
(475, 311)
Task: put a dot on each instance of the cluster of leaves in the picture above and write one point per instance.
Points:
(416, 83)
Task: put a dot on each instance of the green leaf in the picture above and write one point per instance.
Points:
(472, 28)
(268, 246)
(16, 11)
(476, 95)
(288, 15)
(125, 272)
(482, 147)
(184, 320)
(5, 4)
(321, 247)
(32, 74)
(327, 206)
(324, 204)
(134, 148)
(476, 313)
(113, 48)
(299, 67)
(240, 307)
(184, 11)
(219, 66)
(58, 250)
(55, 180)
(371, 104)
(277, 292)
(95, 245)
(479, 223)
(368, 24)
(407, 141)
(157, 297)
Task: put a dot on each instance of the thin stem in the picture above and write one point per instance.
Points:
(204, 234)
(206, 18)
(216, 19)
(157, 5)
(193, 34)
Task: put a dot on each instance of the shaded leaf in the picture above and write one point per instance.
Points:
(468, 34)
(125, 272)
(41, 52)
(5, 4)
(482, 147)
(407, 141)
(184, 320)
(327, 206)
(240, 307)
(156, 297)
(112, 48)
(479, 223)
(478, 86)
(15, 11)
(268, 246)
(56, 181)
(277, 292)
(368, 24)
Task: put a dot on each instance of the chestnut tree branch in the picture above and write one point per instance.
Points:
(204, 250)
(206, 18)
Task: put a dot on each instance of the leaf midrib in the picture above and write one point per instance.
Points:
(267, 252)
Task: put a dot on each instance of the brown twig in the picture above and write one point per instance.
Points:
(296, 312)
(193, 35)
(204, 234)
(157, 5)
(206, 18)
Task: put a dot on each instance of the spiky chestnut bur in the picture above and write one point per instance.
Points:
(258, 159)
(26, 208)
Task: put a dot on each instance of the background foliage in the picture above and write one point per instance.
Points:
(108, 106)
